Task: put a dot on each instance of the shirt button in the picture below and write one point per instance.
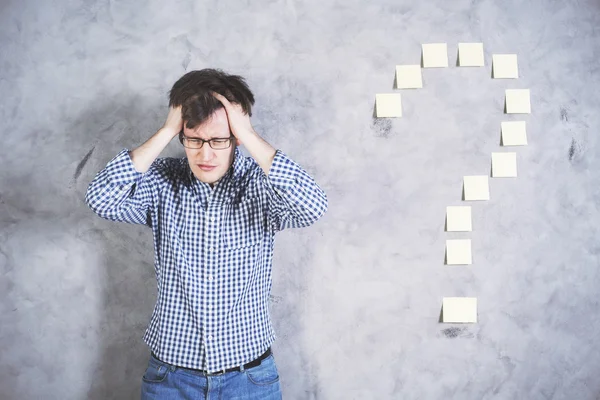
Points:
(210, 278)
(210, 337)
(212, 219)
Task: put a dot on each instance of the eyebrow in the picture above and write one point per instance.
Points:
(196, 137)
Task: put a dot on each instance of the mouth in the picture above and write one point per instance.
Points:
(206, 167)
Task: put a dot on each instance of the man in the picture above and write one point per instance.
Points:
(213, 215)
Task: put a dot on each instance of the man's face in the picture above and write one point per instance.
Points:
(217, 126)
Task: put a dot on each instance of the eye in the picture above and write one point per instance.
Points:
(220, 141)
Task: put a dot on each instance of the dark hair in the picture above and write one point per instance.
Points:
(192, 92)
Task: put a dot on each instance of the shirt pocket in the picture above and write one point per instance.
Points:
(245, 224)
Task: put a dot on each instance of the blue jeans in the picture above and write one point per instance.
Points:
(163, 381)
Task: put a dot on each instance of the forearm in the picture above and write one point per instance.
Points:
(144, 155)
(260, 150)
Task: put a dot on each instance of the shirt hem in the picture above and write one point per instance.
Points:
(264, 348)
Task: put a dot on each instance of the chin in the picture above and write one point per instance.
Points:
(207, 177)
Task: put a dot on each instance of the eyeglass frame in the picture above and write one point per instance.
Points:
(182, 136)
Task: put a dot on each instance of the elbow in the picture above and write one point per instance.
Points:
(89, 198)
(323, 205)
(94, 203)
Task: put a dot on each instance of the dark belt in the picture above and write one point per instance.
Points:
(251, 364)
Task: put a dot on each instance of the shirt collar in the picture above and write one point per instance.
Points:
(235, 169)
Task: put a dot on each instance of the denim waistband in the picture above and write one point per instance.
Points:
(249, 365)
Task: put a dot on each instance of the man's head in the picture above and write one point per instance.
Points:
(204, 117)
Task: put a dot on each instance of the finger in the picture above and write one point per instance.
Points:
(221, 98)
(226, 103)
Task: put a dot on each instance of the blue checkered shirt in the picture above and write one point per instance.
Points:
(213, 249)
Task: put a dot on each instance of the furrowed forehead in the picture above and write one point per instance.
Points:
(207, 134)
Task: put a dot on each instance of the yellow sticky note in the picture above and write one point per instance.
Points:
(459, 310)
(518, 101)
(458, 219)
(514, 133)
(470, 54)
(504, 66)
(409, 77)
(458, 252)
(504, 165)
(388, 105)
(435, 55)
(476, 187)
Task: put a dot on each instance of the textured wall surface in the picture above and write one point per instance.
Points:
(357, 296)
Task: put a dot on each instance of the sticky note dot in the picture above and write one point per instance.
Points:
(504, 66)
(504, 165)
(459, 309)
(470, 54)
(458, 251)
(388, 105)
(476, 187)
(458, 219)
(514, 133)
(518, 101)
(409, 77)
(435, 55)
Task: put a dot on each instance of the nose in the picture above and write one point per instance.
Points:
(206, 152)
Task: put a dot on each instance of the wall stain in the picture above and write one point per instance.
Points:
(275, 299)
(186, 61)
(82, 163)
(453, 332)
(382, 127)
(572, 149)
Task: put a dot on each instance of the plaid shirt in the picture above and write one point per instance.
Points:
(213, 249)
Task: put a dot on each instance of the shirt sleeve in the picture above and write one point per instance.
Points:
(120, 193)
(295, 199)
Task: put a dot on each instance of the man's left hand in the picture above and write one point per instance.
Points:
(239, 121)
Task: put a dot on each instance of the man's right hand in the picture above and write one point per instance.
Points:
(144, 155)
(174, 122)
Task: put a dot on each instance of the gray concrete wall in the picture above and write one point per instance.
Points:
(357, 296)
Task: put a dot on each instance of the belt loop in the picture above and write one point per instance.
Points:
(242, 368)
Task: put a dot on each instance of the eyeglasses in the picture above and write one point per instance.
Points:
(197, 143)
